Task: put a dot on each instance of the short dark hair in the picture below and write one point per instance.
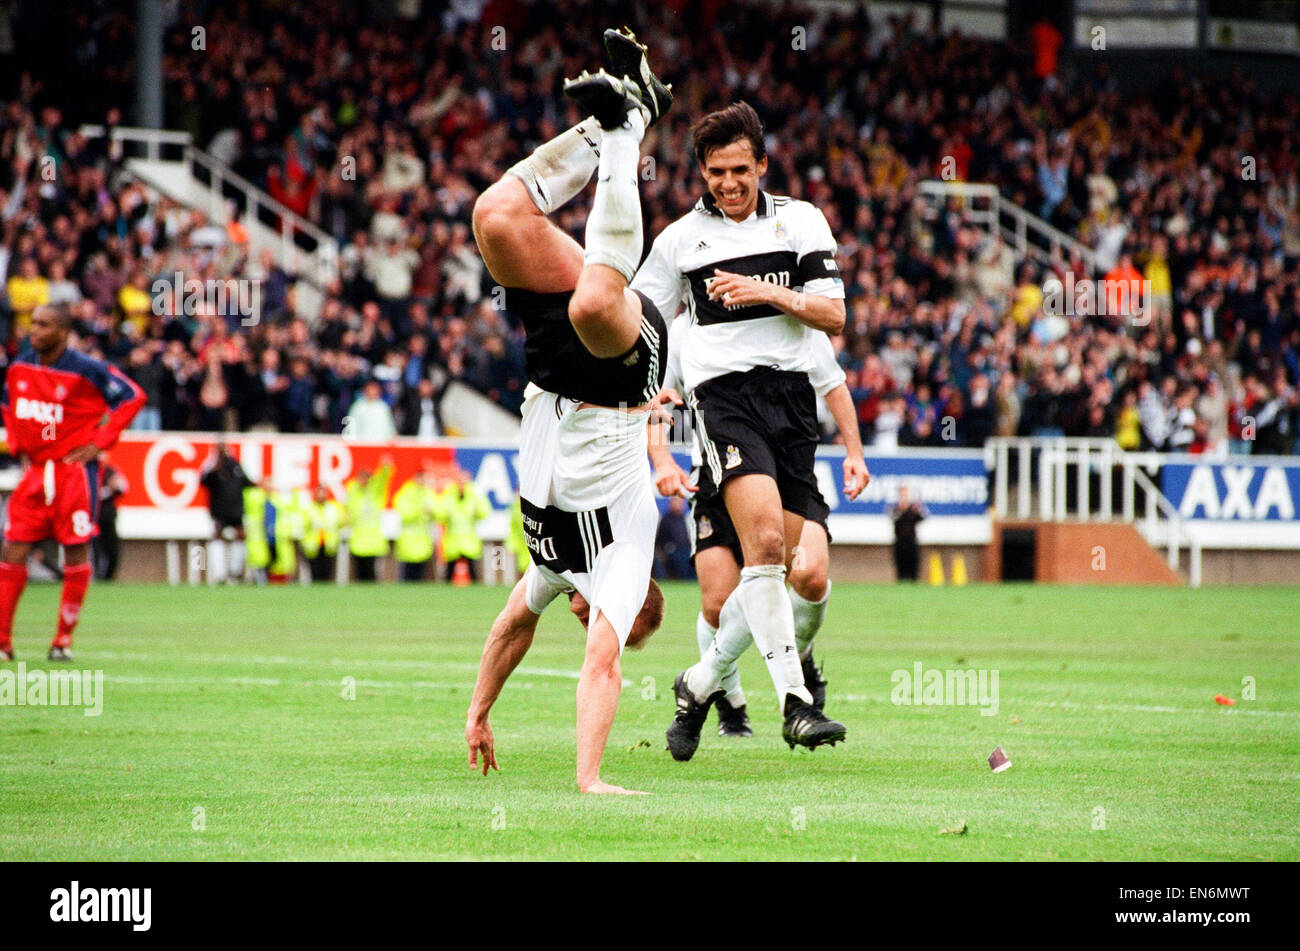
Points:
(61, 313)
(719, 129)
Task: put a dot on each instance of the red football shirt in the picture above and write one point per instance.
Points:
(51, 410)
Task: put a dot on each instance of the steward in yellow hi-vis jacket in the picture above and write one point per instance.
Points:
(367, 494)
(462, 506)
(256, 538)
(323, 520)
(284, 528)
(517, 540)
(417, 505)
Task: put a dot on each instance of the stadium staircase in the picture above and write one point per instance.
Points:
(1028, 235)
(170, 163)
(1084, 511)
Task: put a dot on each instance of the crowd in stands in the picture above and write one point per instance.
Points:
(382, 132)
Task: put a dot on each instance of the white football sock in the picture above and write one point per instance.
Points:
(771, 621)
(557, 170)
(704, 632)
(717, 667)
(737, 640)
(614, 233)
(808, 618)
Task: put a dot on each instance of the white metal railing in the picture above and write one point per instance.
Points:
(1028, 235)
(1042, 481)
(157, 145)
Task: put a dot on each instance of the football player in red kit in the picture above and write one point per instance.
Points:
(61, 409)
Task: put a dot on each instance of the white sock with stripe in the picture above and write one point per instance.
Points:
(614, 230)
(771, 621)
(729, 678)
(808, 618)
(558, 170)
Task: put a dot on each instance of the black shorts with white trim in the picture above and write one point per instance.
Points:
(760, 421)
(565, 541)
(556, 359)
(713, 525)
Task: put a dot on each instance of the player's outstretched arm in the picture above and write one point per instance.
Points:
(599, 685)
(511, 636)
(668, 476)
(856, 476)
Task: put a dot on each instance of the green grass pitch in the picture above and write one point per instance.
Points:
(225, 733)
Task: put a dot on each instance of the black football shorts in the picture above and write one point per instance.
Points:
(760, 421)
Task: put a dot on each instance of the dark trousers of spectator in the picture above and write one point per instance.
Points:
(107, 547)
(365, 567)
(323, 567)
(907, 560)
(470, 562)
(414, 570)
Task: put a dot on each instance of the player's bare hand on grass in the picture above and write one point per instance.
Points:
(602, 787)
(856, 476)
(738, 290)
(82, 454)
(480, 740)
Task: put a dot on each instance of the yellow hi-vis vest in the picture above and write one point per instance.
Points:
(322, 526)
(417, 506)
(517, 540)
(256, 545)
(460, 515)
(365, 510)
(288, 528)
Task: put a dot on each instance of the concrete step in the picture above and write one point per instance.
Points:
(1086, 553)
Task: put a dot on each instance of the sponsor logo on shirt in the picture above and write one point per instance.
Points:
(38, 410)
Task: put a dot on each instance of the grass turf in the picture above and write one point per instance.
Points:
(225, 733)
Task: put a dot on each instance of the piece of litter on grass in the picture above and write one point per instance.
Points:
(1223, 701)
(955, 830)
(998, 761)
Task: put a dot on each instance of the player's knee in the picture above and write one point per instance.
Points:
(809, 582)
(496, 213)
(711, 601)
(592, 307)
(769, 546)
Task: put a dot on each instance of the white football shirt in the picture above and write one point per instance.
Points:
(826, 373)
(785, 241)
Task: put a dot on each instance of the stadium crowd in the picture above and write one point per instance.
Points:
(383, 133)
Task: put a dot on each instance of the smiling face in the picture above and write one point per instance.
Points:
(731, 174)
